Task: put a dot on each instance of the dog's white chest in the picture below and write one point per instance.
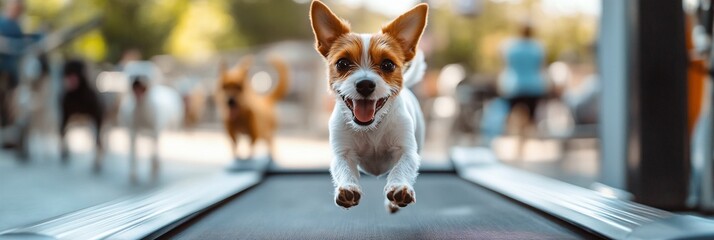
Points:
(375, 155)
(376, 151)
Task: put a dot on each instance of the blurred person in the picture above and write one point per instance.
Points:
(11, 32)
(14, 41)
(80, 99)
(521, 82)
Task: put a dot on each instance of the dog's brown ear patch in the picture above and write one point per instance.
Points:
(326, 26)
(239, 73)
(222, 66)
(408, 28)
(222, 71)
(245, 63)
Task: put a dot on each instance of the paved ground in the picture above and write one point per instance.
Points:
(44, 188)
(575, 162)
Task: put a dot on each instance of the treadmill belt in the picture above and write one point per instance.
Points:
(302, 207)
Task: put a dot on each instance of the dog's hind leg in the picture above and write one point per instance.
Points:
(64, 151)
(271, 147)
(132, 155)
(98, 143)
(155, 158)
(234, 143)
(251, 148)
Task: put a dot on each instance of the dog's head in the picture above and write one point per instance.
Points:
(74, 76)
(142, 75)
(139, 86)
(365, 70)
(234, 87)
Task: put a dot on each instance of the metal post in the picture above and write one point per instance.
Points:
(613, 60)
(658, 141)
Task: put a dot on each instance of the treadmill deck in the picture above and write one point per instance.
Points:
(302, 207)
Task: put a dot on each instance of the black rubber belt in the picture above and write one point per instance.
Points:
(301, 207)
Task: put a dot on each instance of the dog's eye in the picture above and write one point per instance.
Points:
(387, 65)
(343, 65)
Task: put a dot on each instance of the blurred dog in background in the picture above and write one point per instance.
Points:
(246, 112)
(80, 98)
(149, 108)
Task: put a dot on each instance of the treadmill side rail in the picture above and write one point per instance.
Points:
(139, 216)
(610, 217)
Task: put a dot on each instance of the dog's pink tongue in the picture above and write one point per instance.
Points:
(364, 110)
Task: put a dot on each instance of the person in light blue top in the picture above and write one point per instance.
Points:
(12, 45)
(524, 58)
(11, 32)
(522, 84)
(521, 81)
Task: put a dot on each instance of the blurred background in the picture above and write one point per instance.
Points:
(474, 92)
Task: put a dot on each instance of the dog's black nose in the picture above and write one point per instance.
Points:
(366, 87)
(232, 102)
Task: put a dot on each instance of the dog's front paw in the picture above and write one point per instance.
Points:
(400, 194)
(347, 197)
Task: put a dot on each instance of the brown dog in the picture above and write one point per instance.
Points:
(245, 111)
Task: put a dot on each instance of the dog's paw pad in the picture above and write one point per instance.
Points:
(400, 195)
(391, 208)
(348, 197)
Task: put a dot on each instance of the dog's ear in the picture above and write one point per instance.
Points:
(326, 26)
(222, 66)
(244, 66)
(408, 28)
(222, 69)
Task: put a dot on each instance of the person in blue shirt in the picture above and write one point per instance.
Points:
(11, 46)
(10, 30)
(521, 82)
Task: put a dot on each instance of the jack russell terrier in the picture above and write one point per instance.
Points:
(376, 126)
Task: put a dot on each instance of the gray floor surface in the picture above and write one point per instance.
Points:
(302, 207)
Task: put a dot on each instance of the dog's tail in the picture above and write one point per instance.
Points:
(415, 71)
(283, 83)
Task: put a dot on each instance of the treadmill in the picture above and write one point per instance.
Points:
(478, 198)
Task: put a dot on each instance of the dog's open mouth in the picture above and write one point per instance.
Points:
(364, 110)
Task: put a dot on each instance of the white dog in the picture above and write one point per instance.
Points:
(376, 125)
(149, 108)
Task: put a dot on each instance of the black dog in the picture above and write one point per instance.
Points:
(80, 98)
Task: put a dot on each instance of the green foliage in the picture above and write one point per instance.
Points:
(265, 21)
(163, 26)
(477, 42)
(141, 24)
(191, 29)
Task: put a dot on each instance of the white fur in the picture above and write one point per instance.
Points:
(389, 145)
(161, 108)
